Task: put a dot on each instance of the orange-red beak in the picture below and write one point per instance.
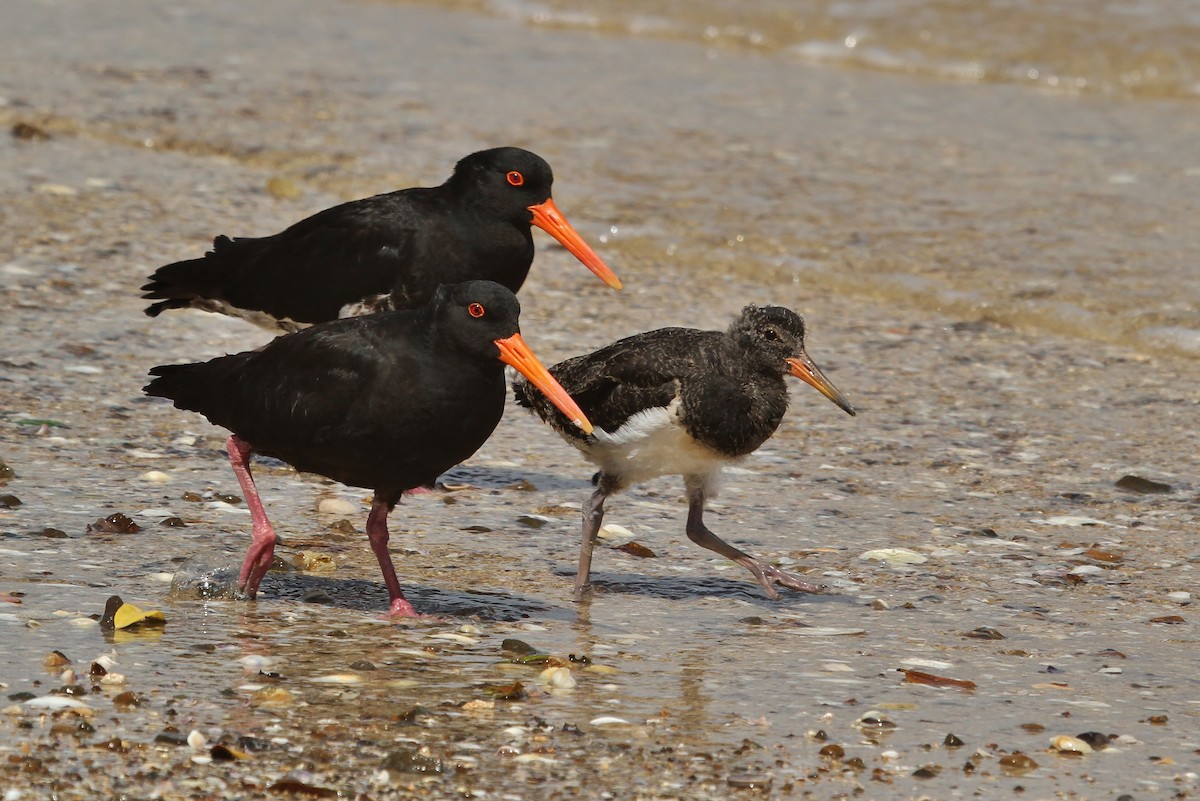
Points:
(807, 371)
(547, 217)
(514, 351)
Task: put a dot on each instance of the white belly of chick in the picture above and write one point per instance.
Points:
(650, 444)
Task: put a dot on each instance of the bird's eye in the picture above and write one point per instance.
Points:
(771, 335)
(475, 310)
(515, 178)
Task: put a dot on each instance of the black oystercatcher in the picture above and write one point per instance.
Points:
(384, 252)
(387, 401)
(686, 402)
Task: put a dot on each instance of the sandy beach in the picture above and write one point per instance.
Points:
(1001, 277)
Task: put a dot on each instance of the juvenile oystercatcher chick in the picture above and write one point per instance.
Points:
(678, 401)
(390, 251)
(387, 402)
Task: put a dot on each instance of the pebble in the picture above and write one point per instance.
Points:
(928, 663)
(336, 506)
(1180, 597)
(1073, 520)
(196, 740)
(256, 663)
(894, 556)
(55, 702)
(155, 476)
(1069, 745)
(338, 678)
(605, 720)
(614, 531)
(527, 758)
(557, 677)
(56, 189)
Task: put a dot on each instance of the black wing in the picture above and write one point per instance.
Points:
(307, 272)
(629, 376)
(297, 393)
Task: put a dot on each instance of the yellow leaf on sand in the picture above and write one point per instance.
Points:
(129, 615)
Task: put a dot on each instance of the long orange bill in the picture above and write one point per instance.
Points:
(807, 371)
(547, 217)
(515, 352)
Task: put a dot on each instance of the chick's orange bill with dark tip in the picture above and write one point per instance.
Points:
(547, 217)
(514, 352)
(807, 371)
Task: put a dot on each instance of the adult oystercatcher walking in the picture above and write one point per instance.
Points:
(678, 401)
(389, 251)
(387, 401)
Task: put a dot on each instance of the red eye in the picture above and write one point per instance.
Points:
(515, 178)
(475, 310)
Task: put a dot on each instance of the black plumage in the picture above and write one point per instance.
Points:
(678, 401)
(387, 402)
(390, 251)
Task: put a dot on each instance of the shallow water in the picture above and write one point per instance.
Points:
(1146, 49)
(1001, 279)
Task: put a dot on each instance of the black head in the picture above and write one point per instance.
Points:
(774, 337)
(771, 333)
(511, 184)
(507, 179)
(474, 314)
(480, 318)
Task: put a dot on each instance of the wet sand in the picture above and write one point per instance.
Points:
(997, 278)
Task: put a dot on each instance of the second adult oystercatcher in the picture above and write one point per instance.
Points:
(389, 251)
(678, 401)
(389, 402)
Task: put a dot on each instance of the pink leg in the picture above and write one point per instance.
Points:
(262, 537)
(377, 532)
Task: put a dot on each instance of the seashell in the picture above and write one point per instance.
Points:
(1069, 745)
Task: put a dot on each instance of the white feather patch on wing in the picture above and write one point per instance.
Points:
(261, 319)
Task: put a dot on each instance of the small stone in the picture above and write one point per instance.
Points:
(534, 521)
(894, 556)
(336, 506)
(56, 189)
(1069, 745)
(28, 132)
(608, 720)
(175, 738)
(282, 188)
(407, 760)
(1017, 764)
(56, 659)
(833, 751)
(1133, 483)
(749, 781)
(614, 531)
(9, 501)
(314, 562)
(1097, 740)
(557, 677)
(984, 633)
(156, 477)
(116, 523)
